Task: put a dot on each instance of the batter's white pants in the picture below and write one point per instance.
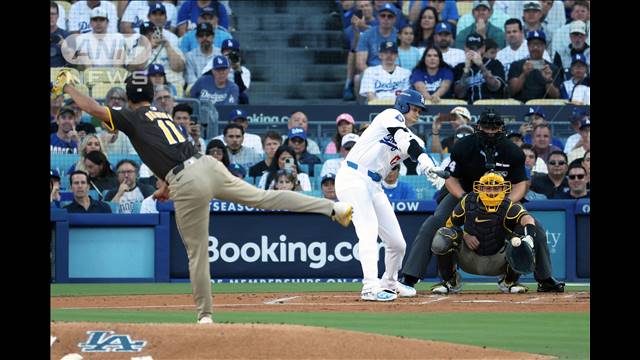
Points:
(372, 216)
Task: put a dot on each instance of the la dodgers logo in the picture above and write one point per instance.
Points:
(106, 341)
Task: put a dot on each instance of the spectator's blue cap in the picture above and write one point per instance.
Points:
(390, 8)
(535, 111)
(578, 114)
(443, 27)
(584, 123)
(297, 132)
(537, 35)
(208, 11)
(155, 69)
(329, 176)
(237, 169)
(389, 46)
(578, 58)
(157, 7)
(237, 114)
(232, 44)
(55, 174)
(65, 110)
(220, 62)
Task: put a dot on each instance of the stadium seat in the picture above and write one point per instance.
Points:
(55, 70)
(497, 102)
(104, 75)
(448, 102)
(547, 102)
(382, 102)
(99, 90)
(423, 188)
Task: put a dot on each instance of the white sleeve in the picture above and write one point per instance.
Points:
(391, 118)
(366, 85)
(62, 18)
(113, 16)
(305, 184)
(148, 206)
(263, 180)
(75, 17)
(246, 77)
(129, 14)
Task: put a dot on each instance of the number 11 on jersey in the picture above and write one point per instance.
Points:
(171, 132)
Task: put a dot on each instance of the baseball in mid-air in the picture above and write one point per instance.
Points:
(515, 241)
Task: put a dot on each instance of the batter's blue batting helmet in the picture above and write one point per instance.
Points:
(409, 97)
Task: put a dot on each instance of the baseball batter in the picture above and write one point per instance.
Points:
(191, 180)
(383, 145)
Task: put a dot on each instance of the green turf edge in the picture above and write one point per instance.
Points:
(185, 288)
(565, 335)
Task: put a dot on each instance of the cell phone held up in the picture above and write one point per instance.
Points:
(538, 64)
(288, 163)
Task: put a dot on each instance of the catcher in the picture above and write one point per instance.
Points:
(498, 238)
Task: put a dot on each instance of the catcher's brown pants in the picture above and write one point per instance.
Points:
(191, 191)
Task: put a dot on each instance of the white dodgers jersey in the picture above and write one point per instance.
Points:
(376, 150)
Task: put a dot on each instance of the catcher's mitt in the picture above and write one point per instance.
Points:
(64, 77)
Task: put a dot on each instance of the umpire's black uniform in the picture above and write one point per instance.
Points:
(471, 157)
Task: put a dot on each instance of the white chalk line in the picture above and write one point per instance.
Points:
(280, 301)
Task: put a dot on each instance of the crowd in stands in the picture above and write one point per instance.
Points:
(522, 50)
(394, 45)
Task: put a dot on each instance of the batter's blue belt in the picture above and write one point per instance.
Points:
(373, 175)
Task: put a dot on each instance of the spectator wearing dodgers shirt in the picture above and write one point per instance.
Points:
(80, 14)
(215, 86)
(385, 80)
(190, 11)
(137, 12)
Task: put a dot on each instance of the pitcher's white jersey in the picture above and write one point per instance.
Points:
(376, 150)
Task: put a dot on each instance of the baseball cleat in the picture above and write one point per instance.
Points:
(550, 285)
(452, 286)
(513, 288)
(378, 295)
(342, 213)
(404, 290)
(205, 320)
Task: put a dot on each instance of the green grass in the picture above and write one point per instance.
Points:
(565, 335)
(185, 288)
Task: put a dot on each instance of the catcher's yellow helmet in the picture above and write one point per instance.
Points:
(492, 188)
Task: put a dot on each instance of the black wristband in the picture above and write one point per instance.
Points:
(530, 229)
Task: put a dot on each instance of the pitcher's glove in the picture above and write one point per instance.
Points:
(64, 77)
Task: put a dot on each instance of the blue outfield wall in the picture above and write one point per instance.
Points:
(247, 243)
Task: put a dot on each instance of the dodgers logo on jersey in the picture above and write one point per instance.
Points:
(400, 118)
(106, 341)
(389, 141)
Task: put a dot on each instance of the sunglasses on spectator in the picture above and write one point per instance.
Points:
(559, 163)
(386, 16)
(573, 177)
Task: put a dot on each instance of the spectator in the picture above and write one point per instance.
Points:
(299, 119)
(498, 16)
(574, 141)
(578, 178)
(532, 18)
(239, 74)
(253, 141)
(182, 117)
(286, 159)
(148, 205)
(62, 17)
(331, 166)
(408, 56)
(384, 80)
(347, 9)
(562, 37)
(96, 48)
(56, 104)
(65, 140)
(297, 139)
(345, 124)
(397, 190)
(443, 40)
(586, 164)
(218, 150)
(478, 77)
(85, 129)
(555, 182)
(101, 177)
(361, 20)
(532, 162)
(534, 117)
(425, 27)
(208, 15)
(163, 99)
(191, 10)
(516, 138)
(369, 42)
(491, 49)
(534, 78)
(328, 185)
(56, 37)
(81, 13)
(542, 142)
(158, 77)
(163, 52)
(432, 77)
(239, 154)
(118, 142)
(287, 180)
(88, 144)
(237, 170)
(517, 48)
(577, 89)
(82, 202)
(202, 55)
(54, 188)
(162, 14)
(271, 142)
(458, 117)
(585, 141)
(215, 86)
(447, 10)
(481, 12)
(563, 57)
(130, 194)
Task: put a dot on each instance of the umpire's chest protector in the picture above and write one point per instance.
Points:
(487, 227)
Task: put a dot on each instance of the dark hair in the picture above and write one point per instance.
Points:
(76, 172)
(422, 66)
(127, 161)
(417, 31)
(290, 176)
(542, 125)
(98, 158)
(232, 126)
(273, 168)
(53, 5)
(182, 107)
(581, 3)
(218, 144)
(559, 152)
(490, 44)
(575, 165)
(513, 21)
(139, 89)
(407, 25)
(271, 135)
(337, 139)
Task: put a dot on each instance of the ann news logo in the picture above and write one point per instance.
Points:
(106, 341)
